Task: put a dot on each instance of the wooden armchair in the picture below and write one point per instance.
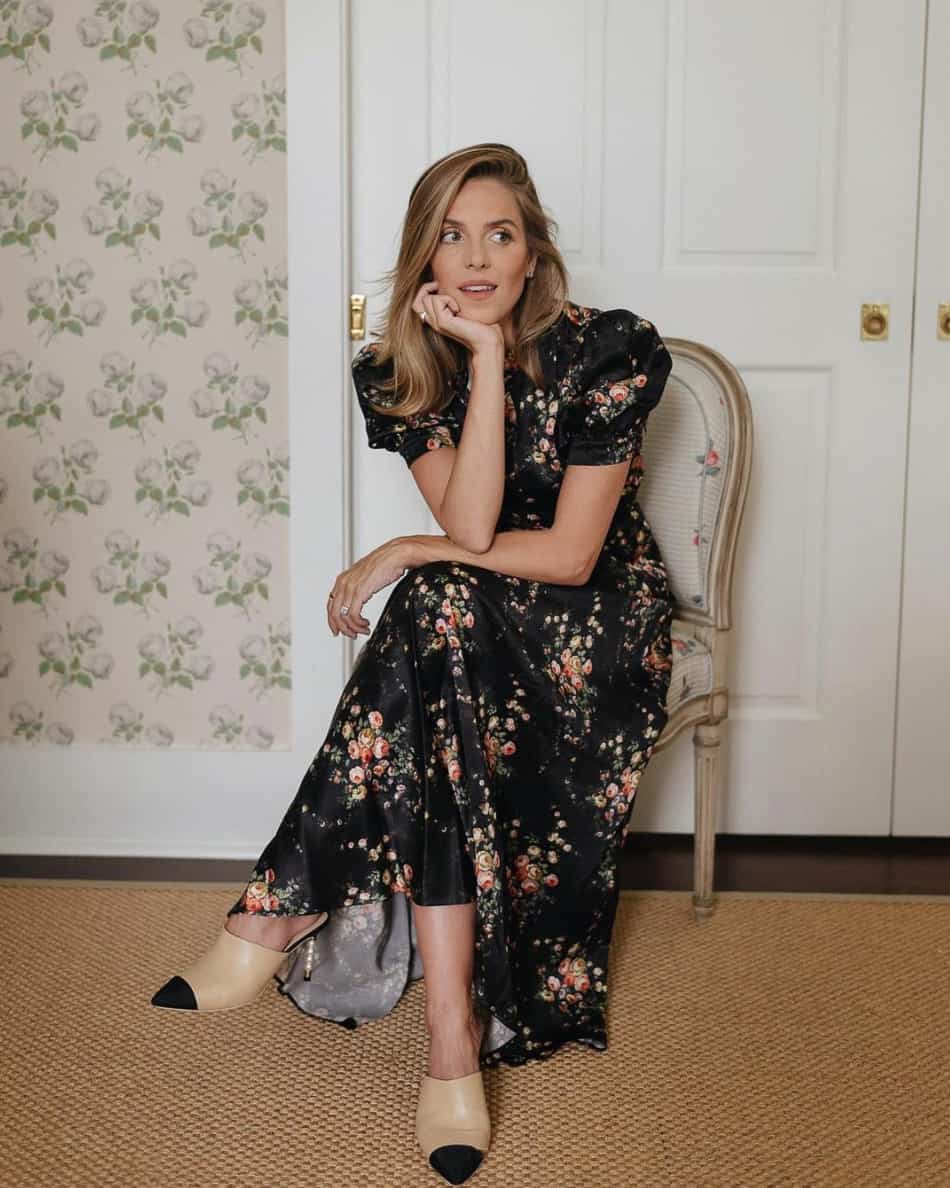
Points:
(697, 456)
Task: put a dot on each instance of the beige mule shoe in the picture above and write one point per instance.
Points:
(452, 1125)
(231, 973)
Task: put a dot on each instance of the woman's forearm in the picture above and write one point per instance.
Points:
(473, 495)
(532, 553)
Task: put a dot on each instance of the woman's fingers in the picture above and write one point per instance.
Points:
(438, 307)
(333, 618)
(345, 623)
(352, 623)
(440, 316)
(426, 288)
(433, 312)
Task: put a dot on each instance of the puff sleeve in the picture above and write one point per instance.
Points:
(409, 436)
(624, 367)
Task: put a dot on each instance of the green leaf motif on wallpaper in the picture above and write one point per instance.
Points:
(68, 484)
(226, 219)
(265, 660)
(61, 303)
(36, 578)
(264, 486)
(28, 399)
(127, 400)
(120, 31)
(230, 399)
(123, 220)
(164, 306)
(262, 305)
(25, 31)
(161, 120)
(173, 657)
(129, 728)
(261, 119)
(26, 216)
(73, 660)
(167, 485)
(53, 117)
(232, 578)
(132, 578)
(227, 32)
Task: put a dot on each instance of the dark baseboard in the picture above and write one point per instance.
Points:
(836, 865)
(648, 861)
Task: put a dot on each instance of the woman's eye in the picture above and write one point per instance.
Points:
(507, 234)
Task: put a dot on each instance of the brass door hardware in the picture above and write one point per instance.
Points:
(875, 321)
(357, 315)
(943, 319)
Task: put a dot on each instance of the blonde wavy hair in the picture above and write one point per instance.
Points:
(424, 360)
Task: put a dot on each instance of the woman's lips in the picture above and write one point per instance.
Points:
(482, 295)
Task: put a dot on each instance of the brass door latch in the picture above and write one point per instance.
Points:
(357, 315)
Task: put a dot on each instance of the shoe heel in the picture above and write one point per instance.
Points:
(308, 940)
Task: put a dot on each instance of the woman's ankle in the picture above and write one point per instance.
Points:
(454, 1048)
(272, 932)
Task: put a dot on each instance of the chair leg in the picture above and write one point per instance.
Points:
(707, 773)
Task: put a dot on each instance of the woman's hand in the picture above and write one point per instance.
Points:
(356, 585)
(443, 313)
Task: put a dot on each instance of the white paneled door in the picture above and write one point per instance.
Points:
(921, 781)
(745, 175)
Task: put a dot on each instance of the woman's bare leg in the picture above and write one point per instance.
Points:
(446, 936)
(273, 932)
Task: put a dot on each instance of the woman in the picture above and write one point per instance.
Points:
(486, 750)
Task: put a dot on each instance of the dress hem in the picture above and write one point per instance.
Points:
(493, 1059)
(516, 1057)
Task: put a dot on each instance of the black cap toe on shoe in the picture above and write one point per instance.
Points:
(455, 1162)
(175, 993)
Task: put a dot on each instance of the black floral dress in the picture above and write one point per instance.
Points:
(490, 740)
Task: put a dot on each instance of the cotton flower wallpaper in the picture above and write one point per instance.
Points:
(144, 466)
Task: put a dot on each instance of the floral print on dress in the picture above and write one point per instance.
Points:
(492, 735)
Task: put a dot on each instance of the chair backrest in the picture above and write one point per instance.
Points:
(697, 455)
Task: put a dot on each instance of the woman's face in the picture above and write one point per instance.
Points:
(482, 241)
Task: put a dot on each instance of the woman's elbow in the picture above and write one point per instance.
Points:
(469, 537)
(475, 544)
(580, 571)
